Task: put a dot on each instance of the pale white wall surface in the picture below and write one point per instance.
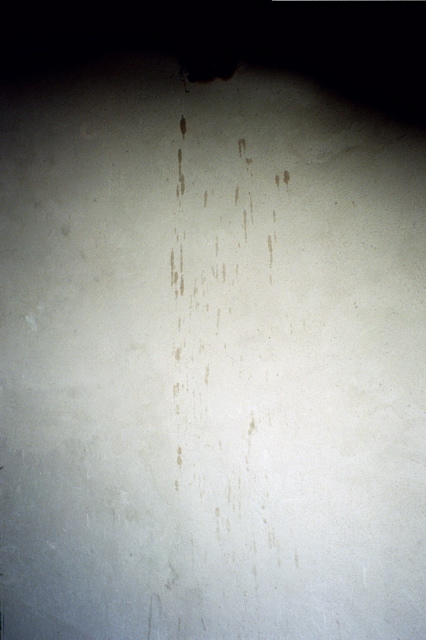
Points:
(212, 360)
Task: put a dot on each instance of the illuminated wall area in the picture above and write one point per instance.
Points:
(213, 350)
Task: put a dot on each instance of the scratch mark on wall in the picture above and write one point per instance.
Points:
(224, 272)
(241, 146)
(217, 245)
(237, 191)
(217, 319)
(205, 199)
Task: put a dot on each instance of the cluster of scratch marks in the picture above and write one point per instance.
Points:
(286, 180)
(241, 146)
(241, 151)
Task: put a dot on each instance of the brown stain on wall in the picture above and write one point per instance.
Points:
(172, 265)
(237, 190)
(179, 456)
(252, 427)
(205, 199)
(245, 223)
(183, 126)
(286, 177)
(277, 180)
(241, 146)
(270, 250)
(181, 176)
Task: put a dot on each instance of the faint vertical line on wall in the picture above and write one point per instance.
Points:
(1, 615)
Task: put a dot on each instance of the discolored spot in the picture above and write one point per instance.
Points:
(205, 199)
(177, 353)
(286, 177)
(277, 180)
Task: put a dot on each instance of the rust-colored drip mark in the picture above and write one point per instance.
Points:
(181, 176)
(183, 126)
(241, 146)
(237, 190)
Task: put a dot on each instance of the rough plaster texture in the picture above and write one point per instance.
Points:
(212, 370)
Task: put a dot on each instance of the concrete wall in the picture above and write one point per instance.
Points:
(212, 372)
